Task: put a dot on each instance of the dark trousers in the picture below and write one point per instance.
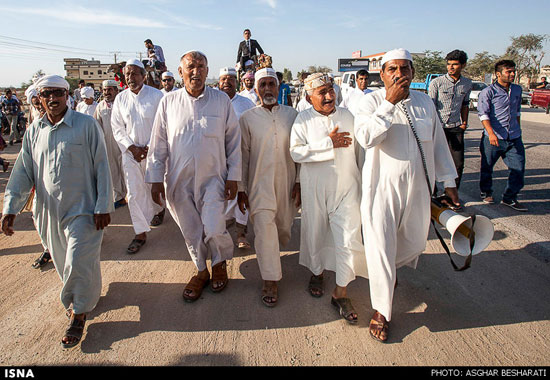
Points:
(455, 140)
(512, 153)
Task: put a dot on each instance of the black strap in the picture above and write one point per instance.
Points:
(443, 243)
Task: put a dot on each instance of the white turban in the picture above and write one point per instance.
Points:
(110, 83)
(167, 74)
(135, 62)
(264, 73)
(52, 81)
(316, 80)
(396, 54)
(87, 92)
(228, 71)
(30, 92)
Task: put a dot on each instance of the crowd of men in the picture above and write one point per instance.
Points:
(361, 167)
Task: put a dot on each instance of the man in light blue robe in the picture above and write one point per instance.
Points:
(63, 155)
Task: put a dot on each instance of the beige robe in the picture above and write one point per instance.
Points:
(103, 116)
(269, 175)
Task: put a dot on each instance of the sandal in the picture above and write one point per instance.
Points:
(345, 309)
(316, 286)
(242, 243)
(379, 324)
(44, 258)
(158, 219)
(195, 285)
(75, 330)
(269, 296)
(135, 246)
(219, 274)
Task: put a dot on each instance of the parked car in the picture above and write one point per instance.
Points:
(474, 95)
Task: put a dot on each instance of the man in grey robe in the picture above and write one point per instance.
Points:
(64, 156)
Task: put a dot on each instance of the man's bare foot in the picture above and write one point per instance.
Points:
(270, 293)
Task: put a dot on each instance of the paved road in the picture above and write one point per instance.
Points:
(495, 313)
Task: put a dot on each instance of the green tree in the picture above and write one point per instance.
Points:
(39, 73)
(482, 63)
(287, 75)
(527, 53)
(430, 62)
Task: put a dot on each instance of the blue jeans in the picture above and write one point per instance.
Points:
(512, 153)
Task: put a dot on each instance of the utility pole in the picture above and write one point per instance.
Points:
(115, 54)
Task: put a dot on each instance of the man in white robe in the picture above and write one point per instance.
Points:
(270, 189)
(195, 164)
(88, 104)
(132, 120)
(355, 94)
(395, 205)
(103, 116)
(249, 90)
(228, 84)
(168, 82)
(322, 143)
(73, 197)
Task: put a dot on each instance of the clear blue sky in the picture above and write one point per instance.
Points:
(38, 35)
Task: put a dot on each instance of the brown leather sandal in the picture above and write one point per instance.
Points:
(195, 285)
(379, 324)
(270, 296)
(219, 274)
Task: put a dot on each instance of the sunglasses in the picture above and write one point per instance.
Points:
(167, 80)
(57, 93)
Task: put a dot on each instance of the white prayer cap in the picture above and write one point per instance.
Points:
(396, 54)
(135, 62)
(30, 92)
(167, 74)
(264, 73)
(87, 92)
(228, 71)
(52, 81)
(110, 83)
(316, 80)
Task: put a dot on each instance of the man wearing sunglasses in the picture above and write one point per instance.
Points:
(63, 156)
(168, 83)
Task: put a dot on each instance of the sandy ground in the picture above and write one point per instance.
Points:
(494, 314)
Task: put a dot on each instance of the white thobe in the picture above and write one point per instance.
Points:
(250, 94)
(164, 92)
(68, 166)
(103, 116)
(195, 149)
(351, 101)
(303, 105)
(132, 120)
(232, 211)
(269, 176)
(330, 237)
(395, 205)
(87, 109)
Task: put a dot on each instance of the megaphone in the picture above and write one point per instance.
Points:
(465, 238)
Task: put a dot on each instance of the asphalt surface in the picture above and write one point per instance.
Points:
(494, 314)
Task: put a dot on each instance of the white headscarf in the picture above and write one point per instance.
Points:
(52, 81)
(30, 92)
(87, 92)
(263, 73)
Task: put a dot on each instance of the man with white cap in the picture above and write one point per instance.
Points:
(228, 84)
(74, 197)
(132, 120)
(88, 103)
(249, 90)
(322, 142)
(390, 124)
(269, 189)
(194, 164)
(168, 82)
(103, 116)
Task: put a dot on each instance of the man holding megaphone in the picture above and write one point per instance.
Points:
(406, 152)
